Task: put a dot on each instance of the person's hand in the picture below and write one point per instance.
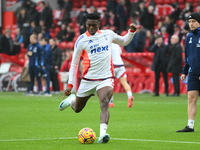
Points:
(67, 92)
(56, 67)
(43, 67)
(183, 77)
(133, 27)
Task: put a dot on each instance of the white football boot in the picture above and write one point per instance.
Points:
(67, 102)
(104, 139)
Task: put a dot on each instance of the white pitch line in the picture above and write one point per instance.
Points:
(118, 139)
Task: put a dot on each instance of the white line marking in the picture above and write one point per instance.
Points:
(118, 139)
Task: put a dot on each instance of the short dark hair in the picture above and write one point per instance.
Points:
(93, 16)
(46, 39)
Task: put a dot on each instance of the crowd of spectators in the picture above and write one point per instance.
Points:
(118, 14)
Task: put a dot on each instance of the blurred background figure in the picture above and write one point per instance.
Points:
(55, 65)
(81, 20)
(159, 63)
(175, 63)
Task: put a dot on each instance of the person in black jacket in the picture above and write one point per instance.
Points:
(159, 63)
(175, 63)
(55, 64)
(82, 19)
(147, 18)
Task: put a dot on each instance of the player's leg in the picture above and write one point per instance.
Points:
(166, 82)
(193, 87)
(127, 88)
(157, 77)
(79, 101)
(192, 107)
(37, 74)
(104, 94)
(32, 77)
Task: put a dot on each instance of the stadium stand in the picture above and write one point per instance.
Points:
(139, 75)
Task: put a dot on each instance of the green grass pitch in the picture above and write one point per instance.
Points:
(35, 123)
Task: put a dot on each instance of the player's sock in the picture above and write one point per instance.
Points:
(191, 123)
(35, 88)
(129, 94)
(111, 100)
(103, 129)
(44, 88)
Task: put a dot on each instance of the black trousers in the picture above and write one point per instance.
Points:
(157, 77)
(176, 83)
(54, 79)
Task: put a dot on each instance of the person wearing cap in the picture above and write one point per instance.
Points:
(192, 68)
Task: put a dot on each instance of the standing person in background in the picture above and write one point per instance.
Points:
(120, 73)
(46, 59)
(82, 19)
(192, 68)
(34, 54)
(55, 65)
(159, 63)
(175, 63)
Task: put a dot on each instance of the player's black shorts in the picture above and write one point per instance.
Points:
(193, 82)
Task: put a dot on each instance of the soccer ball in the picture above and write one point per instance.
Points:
(86, 136)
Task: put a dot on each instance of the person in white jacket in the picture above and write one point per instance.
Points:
(95, 47)
(120, 73)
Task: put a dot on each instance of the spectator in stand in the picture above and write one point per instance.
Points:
(62, 33)
(164, 35)
(177, 31)
(70, 34)
(137, 8)
(55, 65)
(176, 13)
(45, 32)
(138, 41)
(150, 39)
(41, 25)
(169, 24)
(22, 18)
(147, 18)
(175, 63)
(6, 43)
(60, 4)
(67, 62)
(198, 9)
(122, 13)
(33, 15)
(46, 59)
(19, 37)
(34, 54)
(114, 22)
(46, 14)
(159, 63)
(65, 12)
(93, 9)
(81, 20)
(34, 28)
(128, 8)
(111, 5)
(104, 19)
(184, 13)
(26, 33)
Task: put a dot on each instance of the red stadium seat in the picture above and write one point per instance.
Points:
(70, 45)
(103, 3)
(181, 1)
(96, 3)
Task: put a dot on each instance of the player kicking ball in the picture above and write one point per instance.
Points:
(95, 47)
(120, 73)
